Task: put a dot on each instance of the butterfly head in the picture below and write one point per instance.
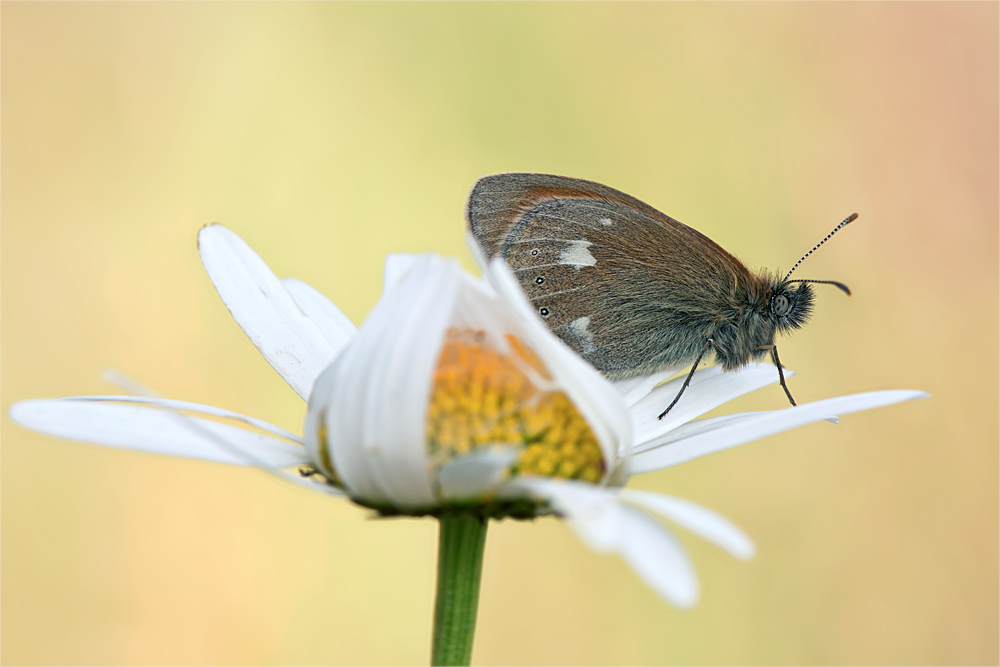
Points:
(789, 307)
(769, 307)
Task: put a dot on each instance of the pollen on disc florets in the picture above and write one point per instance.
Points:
(485, 397)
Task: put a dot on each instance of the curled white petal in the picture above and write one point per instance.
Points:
(703, 522)
(607, 526)
(287, 337)
(155, 430)
(765, 424)
(373, 399)
(593, 395)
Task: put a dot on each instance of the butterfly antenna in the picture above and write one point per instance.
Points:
(851, 218)
(841, 286)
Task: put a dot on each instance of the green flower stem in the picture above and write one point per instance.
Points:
(460, 566)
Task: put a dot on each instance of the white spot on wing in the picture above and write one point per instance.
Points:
(577, 254)
(579, 329)
(606, 222)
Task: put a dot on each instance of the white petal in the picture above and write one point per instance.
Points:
(192, 407)
(706, 524)
(710, 387)
(635, 389)
(696, 427)
(375, 396)
(155, 430)
(763, 425)
(594, 396)
(479, 307)
(593, 515)
(476, 474)
(700, 426)
(477, 253)
(125, 383)
(395, 267)
(607, 526)
(329, 401)
(659, 559)
(403, 370)
(331, 321)
(287, 337)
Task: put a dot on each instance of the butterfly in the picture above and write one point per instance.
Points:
(632, 290)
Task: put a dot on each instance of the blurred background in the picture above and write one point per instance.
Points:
(328, 135)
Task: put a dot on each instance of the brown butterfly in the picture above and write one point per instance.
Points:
(630, 289)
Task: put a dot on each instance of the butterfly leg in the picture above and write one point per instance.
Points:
(687, 380)
(781, 374)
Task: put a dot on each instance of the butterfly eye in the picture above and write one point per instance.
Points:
(544, 312)
(539, 280)
(780, 305)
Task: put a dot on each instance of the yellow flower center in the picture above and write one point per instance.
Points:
(485, 397)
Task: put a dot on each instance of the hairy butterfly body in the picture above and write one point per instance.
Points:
(630, 289)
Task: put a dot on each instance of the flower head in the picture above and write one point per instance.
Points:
(453, 393)
(447, 392)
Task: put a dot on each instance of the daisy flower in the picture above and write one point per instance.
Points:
(453, 400)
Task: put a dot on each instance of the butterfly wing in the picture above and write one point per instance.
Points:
(629, 288)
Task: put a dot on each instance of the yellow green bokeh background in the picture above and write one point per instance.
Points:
(328, 135)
